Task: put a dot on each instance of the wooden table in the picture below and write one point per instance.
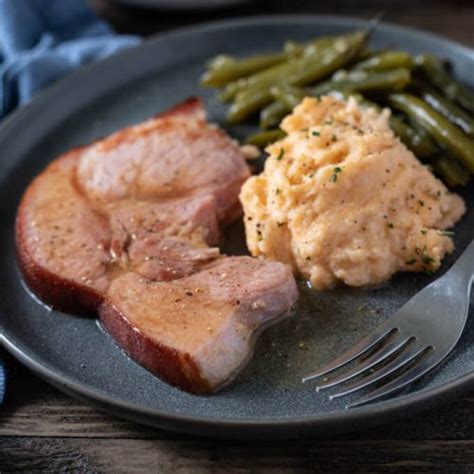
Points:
(43, 430)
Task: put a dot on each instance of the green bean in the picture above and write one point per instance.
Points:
(331, 59)
(415, 139)
(273, 113)
(310, 69)
(441, 129)
(224, 71)
(365, 81)
(220, 61)
(286, 98)
(262, 139)
(268, 77)
(445, 107)
(369, 53)
(437, 75)
(263, 78)
(291, 96)
(386, 60)
(294, 47)
(450, 171)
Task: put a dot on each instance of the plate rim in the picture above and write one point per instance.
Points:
(300, 426)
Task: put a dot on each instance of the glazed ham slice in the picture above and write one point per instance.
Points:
(173, 155)
(196, 332)
(128, 227)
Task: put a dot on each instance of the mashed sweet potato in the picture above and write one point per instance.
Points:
(341, 199)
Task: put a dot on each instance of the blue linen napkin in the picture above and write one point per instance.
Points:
(42, 40)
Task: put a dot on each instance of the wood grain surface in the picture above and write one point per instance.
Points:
(43, 430)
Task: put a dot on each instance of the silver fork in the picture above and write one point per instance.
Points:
(412, 342)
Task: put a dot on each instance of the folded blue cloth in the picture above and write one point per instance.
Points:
(42, 40)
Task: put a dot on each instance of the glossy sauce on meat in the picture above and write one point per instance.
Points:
(128, 227)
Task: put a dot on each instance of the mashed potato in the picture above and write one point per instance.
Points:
(341, 199)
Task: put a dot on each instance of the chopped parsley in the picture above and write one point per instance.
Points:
(277, 191)
(426, 258)
(411, 262)
(424, 231)
(336, 171)
(315, 133)
(448, 233)
(281, 154)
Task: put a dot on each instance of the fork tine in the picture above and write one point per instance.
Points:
(402, 360)
(421, 368)
(386, 351)
(360, 348)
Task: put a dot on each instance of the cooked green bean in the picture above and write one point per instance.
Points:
(247, 103)
(415, 139)
(441, 129)
(445, 107)
(268, 77)
(294, 47)
(331, 59)
(386, 60)
(310, 69)
(450, 171)
(273, 113)
(289, 95)
(262, 139)
(286, 97)
(224, 71)
(220, 61)
(264, 78)
(365, 81)
(437, 75)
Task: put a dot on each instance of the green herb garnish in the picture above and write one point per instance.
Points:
(337, 170)
(448, 233)
(281, 154)
(426, 259)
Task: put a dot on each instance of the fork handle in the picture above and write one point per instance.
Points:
(464, 267)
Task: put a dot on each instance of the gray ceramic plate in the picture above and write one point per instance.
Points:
(268, 399)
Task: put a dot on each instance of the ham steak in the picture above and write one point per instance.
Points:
(128, 227)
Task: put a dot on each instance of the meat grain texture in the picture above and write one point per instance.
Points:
(341, 199)
(128, 227)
